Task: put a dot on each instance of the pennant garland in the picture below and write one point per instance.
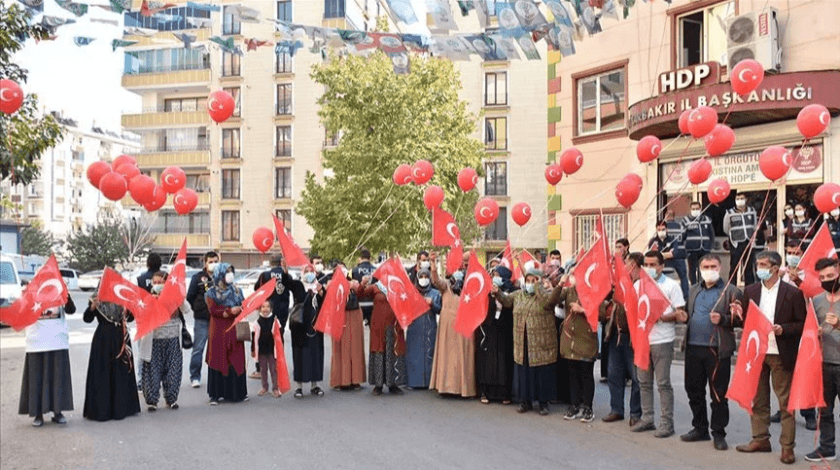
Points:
(82, 40)
(403, 10)
(78, 9)
(441, 14)
(120, 43)
(203, 6)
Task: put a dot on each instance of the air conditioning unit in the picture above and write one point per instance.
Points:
(754, 35)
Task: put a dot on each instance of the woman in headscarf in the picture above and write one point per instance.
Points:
(347, 371)
(387, 341)
(307, 343)
(111, 391)
(494, 345)
(422, 333)
(225, 355)
(453, 369)
(46, 371)
(534, 342)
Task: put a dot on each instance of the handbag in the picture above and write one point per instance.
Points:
(186, 338)
(296, 314)
(243, 331)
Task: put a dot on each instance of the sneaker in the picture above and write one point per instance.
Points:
(317, 391)
(195, 383)
(573, 412)
(395, 390)
(299, 393)
(543, 409)
(817, 456)
(376, 391)
(811, 423)
(152, 408)
(720, 443)
(214, 401)
(59, 419)
(246, 398)
(642, 427)
(39, 421)
(523, 407)
(173, 406)
(777, 417)
(586, 415)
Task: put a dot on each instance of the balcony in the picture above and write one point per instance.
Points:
(203, 200)
(201, 34)
(162, 118)
(174, 240)
(168, 79)
(196, 155)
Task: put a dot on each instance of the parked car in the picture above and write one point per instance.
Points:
(71, 278)
(90, 280)
(247, 279)
(10, 284)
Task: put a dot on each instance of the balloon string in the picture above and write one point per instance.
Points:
(399, 206)
(360, 244)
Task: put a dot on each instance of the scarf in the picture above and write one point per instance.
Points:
(115, 314)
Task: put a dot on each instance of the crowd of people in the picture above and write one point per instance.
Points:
(535, 346)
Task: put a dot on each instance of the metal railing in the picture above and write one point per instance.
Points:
(163, 109)
(162, 68)
(194, 147)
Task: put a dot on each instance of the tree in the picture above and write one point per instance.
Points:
(385, 120)
(137, 236)
(108, 242)
(26, 134)
(34, 240)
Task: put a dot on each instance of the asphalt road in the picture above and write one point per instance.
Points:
(347, 430)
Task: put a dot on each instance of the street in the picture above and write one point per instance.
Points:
(347, 430)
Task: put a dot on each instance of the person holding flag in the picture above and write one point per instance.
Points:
(421, 335)
(225, 355)
(494, 345)
(347, 369)
(387, 341)
(307, 343)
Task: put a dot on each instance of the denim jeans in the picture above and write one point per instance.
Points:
(200, 332)
(620, 368)
(661, 356)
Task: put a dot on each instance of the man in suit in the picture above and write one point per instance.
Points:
(784, 305)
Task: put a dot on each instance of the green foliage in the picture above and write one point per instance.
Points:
(382, 24)
(385, 120)
(108, 242)
(25, 135)
(34, 240)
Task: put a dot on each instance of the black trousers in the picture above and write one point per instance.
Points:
(605, 352)
(581, 383)
(694, 265)
(703, 368)
(831, 391)
(748, 263)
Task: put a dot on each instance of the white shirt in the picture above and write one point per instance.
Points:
(768, 308)
(665, 332)
(49, 333)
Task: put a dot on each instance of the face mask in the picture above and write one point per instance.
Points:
(800, 213)
(695, 213)
(529, 288)
(793, 260)
(789, 212)
(228, 278)
(661, 233)
(740, 202)
(763, 274)
(497, 281)
(835, 213)
(425, 264)
(212, 267)
(710, 275)
(832, 286)
(423, 281)
(319, 267)
(458, 275)
(651, 272)
(309, 277)
(157, 289)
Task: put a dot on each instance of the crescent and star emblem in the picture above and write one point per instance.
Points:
(753, 336)
(478, 276)
(55, 283)
(589, 272)
(644, 300)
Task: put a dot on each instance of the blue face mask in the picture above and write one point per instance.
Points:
(458, 275)
(793, 260)
(763, 274)
(309, 278)
(498, 282)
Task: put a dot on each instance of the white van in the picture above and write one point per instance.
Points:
(10, 289)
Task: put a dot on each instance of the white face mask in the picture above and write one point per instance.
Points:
(800, 213)
(423, 281)
(789, 212)
(651, 272)
(529, 287)
(710, 275)
(425, 264)
(835, 213)
(212, 267)
(740, 202)
(695, 213)
(157, 289)
(319, 267)
(229, 278)
(662, 233)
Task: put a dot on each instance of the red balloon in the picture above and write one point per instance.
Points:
(701, 121)
(827, 197)
(128, 170)
(813, 120)
(720, 140)
(113, 186)
(699, 171)
(553, 174)
(467, 179)
(402, 175)
(173, 179)
(486, 211)
(683, 122)
(521, 213)
(11, 96)
(422, 171)
(775, 162)
(157, 200)
(121, 160)
(571, 160)
(220, 106)
(635, 179)
(627, 192)
(142, 189)
(96, 171)
(185, 201)
(718, 191)
(263, 239)
(433, 197)
(746, 76)
(648, 148)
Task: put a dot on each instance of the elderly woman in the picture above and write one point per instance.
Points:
(307, 343)
(421, 334)
(494, 345)
(453, 369)
(225, 355)
(534, 342)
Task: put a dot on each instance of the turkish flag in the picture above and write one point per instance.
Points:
(175, 290)
(454, 258)
(403, 297)
(291, 251)
(652, 304)
(331, 318)
(821, 247)
(444, 229)
(283, 382)
(254, 301)
(508, 262)
(472, 309)
(148, 312)
(594, 285)
(806, 389)
(45, 291)
(625, 295)
(754, 339)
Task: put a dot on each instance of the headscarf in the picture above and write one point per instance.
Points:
(428, 274)
(506, 275)
(307, 286)
(229, 295)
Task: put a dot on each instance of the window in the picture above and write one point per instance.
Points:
(615, 227)
(284, 141)
(178, 140)
(165, 60)
(332, 139)
(334, 8)
(701, 35)
(199, 183)
(230, 24)
(284, 98)
(175, 19)
(230, 143)
(184, 104)
(498, 229)
(285, 216)
(234, 92)
(495, 88)
(284, 62)
(601, 102)
(283, 183)
(230, 226)
(495, 181)
(230, 184)
(231, 65)
(284, 10)
(170, 222)
(495, 133)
